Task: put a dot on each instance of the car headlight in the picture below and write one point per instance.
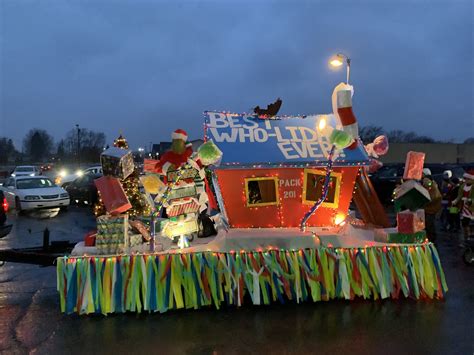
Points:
(79, 173)
(64, 195)
(63, 173)
(32, 197)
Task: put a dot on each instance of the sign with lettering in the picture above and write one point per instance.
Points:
(246, 139)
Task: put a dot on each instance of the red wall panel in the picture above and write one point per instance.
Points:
(291, 209)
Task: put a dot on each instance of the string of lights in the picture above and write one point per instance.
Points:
(325, 190)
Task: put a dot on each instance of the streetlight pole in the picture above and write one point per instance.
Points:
(78, 145)
(339, 60)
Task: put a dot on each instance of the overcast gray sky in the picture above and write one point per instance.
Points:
(146, 68)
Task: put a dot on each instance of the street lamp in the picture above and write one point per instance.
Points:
(78, 145)
(338, 60)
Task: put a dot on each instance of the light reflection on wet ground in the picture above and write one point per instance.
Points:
(30, 320)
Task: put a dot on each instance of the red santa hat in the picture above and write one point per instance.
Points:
(180, 134)
(469, 174)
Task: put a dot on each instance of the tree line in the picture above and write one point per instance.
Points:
(82, 145)
(368, 134)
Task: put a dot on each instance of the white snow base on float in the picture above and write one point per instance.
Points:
(257, 266)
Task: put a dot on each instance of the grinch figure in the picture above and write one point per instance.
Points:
(176, 157)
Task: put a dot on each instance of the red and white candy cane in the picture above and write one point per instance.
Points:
(347, 117)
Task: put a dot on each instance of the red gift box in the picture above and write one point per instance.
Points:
(113, 196)
(184, 206)
(149, 165)
(414, 166)
(89, 239)
(409, 222)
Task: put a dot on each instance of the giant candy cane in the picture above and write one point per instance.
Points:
(343, 109)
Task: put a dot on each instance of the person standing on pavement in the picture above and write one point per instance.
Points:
(433, 207)
(465, 201)
(453, 210)
(446, 187)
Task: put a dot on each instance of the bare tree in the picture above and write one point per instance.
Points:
(369, 133)
(7, 150)
(91, 144)
(37, 144)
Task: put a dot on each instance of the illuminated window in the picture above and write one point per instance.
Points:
(313, 187)
(261, 191)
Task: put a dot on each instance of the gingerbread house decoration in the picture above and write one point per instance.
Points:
(273, 169)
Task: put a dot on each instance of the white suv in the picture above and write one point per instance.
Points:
(26, 170)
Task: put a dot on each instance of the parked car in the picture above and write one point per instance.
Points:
(33, 192)
(46, 167)
(83, 189)
(64, 178)
(385, 179)
(4, 227)
(26, 170)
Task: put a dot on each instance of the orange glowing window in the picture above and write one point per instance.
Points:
(261, 191)
(313, 183)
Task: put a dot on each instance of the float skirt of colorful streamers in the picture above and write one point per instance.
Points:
(162, 282)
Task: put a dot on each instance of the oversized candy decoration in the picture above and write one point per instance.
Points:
(336, 137)
(343, 110)
(209, 153)
(378, 147)
(381, 145)
(375, 149)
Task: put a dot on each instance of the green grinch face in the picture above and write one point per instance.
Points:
(178, 146)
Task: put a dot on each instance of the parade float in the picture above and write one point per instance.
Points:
(262, 212)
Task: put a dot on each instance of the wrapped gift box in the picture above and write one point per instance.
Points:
(187, 174)
(411, 195)
(113, 195)
(182, 192)
(183, 206)
(89, 239)
(141, 228)
(409, 222)
(149, 165)
(136, 239)
(413, 238)
(112, 234)
(178, 228)
(414, 165)
(117, 162)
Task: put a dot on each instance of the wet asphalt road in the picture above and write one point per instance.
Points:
(30, 320)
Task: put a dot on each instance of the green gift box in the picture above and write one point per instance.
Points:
(410, 195)
(415, 238)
